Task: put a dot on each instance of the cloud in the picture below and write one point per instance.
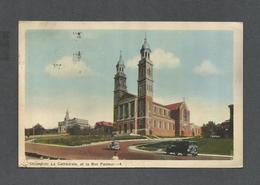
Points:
(133, 62)
(206, 68)
(161, 59)
(66, 67)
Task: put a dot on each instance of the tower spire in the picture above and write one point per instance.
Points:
(67, 115)
(145, 50)
(120, 64)
(121, 57)
(120, 79)
(145, 41)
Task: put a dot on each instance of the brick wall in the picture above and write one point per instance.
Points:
(162, 132)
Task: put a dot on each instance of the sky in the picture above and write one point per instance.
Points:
(195, 65)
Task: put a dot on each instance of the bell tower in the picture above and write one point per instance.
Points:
(120, 83)
(145, 89)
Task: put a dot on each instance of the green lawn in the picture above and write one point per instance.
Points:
(206, 146)
(70, 140)
(127, 137)
(43, 136)
(76, 140)
(215, 146)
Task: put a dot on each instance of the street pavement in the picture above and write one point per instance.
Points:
(101, 152)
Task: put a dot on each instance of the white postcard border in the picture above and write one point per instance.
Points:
(236, 162)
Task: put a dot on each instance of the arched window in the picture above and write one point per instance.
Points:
(184, 117)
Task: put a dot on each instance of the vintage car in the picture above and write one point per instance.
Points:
(183, 147)
(114, 145)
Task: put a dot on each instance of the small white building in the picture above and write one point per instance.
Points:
(64, 125)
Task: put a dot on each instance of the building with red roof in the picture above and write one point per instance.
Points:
(104, 127)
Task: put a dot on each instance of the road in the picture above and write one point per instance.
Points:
(100, 152)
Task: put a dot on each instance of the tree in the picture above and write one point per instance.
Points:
(225, 129)
(74, 130)
(51, 131)
(38, 129)
(28, 132)
(209, 129)
(85, 131)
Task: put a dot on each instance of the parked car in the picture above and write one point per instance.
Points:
(114, 145)
(183, 147)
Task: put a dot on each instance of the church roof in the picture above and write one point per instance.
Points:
(174, 106)
(120, 61)
(145, 44)
(128, 95)
(159, 104)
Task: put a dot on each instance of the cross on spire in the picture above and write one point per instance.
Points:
(120, 54)
(121, 61)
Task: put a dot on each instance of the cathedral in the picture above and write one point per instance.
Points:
(139, 114)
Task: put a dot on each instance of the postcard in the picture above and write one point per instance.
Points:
(130, 94)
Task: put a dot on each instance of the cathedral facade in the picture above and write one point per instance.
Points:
(139, 114)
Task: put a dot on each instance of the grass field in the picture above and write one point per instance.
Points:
(127, 137)
(206, 146)
(70, 140)
(43, 136)
(215, 146)
(76, 140)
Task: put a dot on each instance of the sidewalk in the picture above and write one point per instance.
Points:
(106, 142)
